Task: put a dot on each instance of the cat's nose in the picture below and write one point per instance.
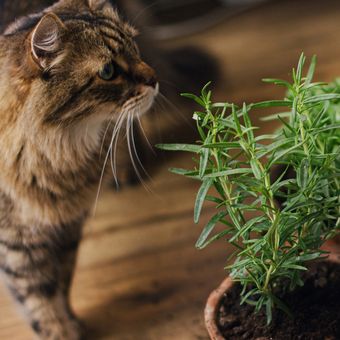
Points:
(145, 74)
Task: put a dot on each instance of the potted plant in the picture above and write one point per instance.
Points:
(279, 269)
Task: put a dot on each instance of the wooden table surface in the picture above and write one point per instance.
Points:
(139, 275)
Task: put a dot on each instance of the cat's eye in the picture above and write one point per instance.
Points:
(108, 72)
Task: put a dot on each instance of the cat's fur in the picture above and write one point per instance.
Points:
(53, 112)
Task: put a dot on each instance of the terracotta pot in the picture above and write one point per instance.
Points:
(212, 307)
(333, 245)
(214, 299)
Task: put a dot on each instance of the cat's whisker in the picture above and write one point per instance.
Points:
(133, 162)
(171, 83)
(168, 102)
(134, 146)
(101, 178)
(171, 104)
(105, 133)
(168, 110)
(128, 127)
(113, 169)
(116, 133)
(144, 134)
(160, 103)
(175, 108)
(116, 145)
(163, 107)
(105, 162)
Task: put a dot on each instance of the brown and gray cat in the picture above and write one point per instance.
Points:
(64, 74)
(179, 69)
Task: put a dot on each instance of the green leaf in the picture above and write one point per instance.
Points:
(308, 257)
(248, 123)
(278, 185)
(215, 238)
(249, 130)
(204, 92)
(246, 227)
(236, 121)
(230, 172)
(202, 192)
(221, 105)
(294, 266)
(208, 229)
(281, 305)
(201, 132)
(276, 116)
(287, 125)
(198, 100)
(203, 161)
(311, 71)
(222, 145)
(322, 97)
(302, 174)
(327, 128)
(271, 103)
(269, 311)
(321, 114)
(265, 137)
(233, 217)
(300, 67)
(279, 82)
(256, 170)
(184, 172)
(180, 147)
(214, 199)
(315, 84)
(247, 295)
(275, 146)
(283, 153)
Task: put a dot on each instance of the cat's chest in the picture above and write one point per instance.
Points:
(47, 194)
(52, 179)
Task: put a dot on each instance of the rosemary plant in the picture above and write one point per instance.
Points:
(274, 244)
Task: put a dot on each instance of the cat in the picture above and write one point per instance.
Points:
(71, 76)
(179, 69)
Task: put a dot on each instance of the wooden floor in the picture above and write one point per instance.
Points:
(139, 275)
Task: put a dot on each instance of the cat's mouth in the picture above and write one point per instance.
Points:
(142, 100)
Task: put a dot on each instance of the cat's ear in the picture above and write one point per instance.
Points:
(45, 39)
(99, 5)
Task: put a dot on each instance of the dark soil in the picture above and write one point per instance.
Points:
(315, 308)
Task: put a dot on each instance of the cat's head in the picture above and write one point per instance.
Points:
(82, 63)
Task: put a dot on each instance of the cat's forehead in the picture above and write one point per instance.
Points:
(97, 41)
(100, 27)
(95, 28)
(96, 45)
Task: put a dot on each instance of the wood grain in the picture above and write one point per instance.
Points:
(139, 275)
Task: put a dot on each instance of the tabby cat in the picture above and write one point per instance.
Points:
(70, 77)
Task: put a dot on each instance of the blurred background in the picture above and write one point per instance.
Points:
(139, 275)
(180, 18)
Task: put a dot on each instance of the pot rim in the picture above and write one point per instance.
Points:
(212, 306)
(215, 297)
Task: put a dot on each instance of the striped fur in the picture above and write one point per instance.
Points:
(54, 114)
